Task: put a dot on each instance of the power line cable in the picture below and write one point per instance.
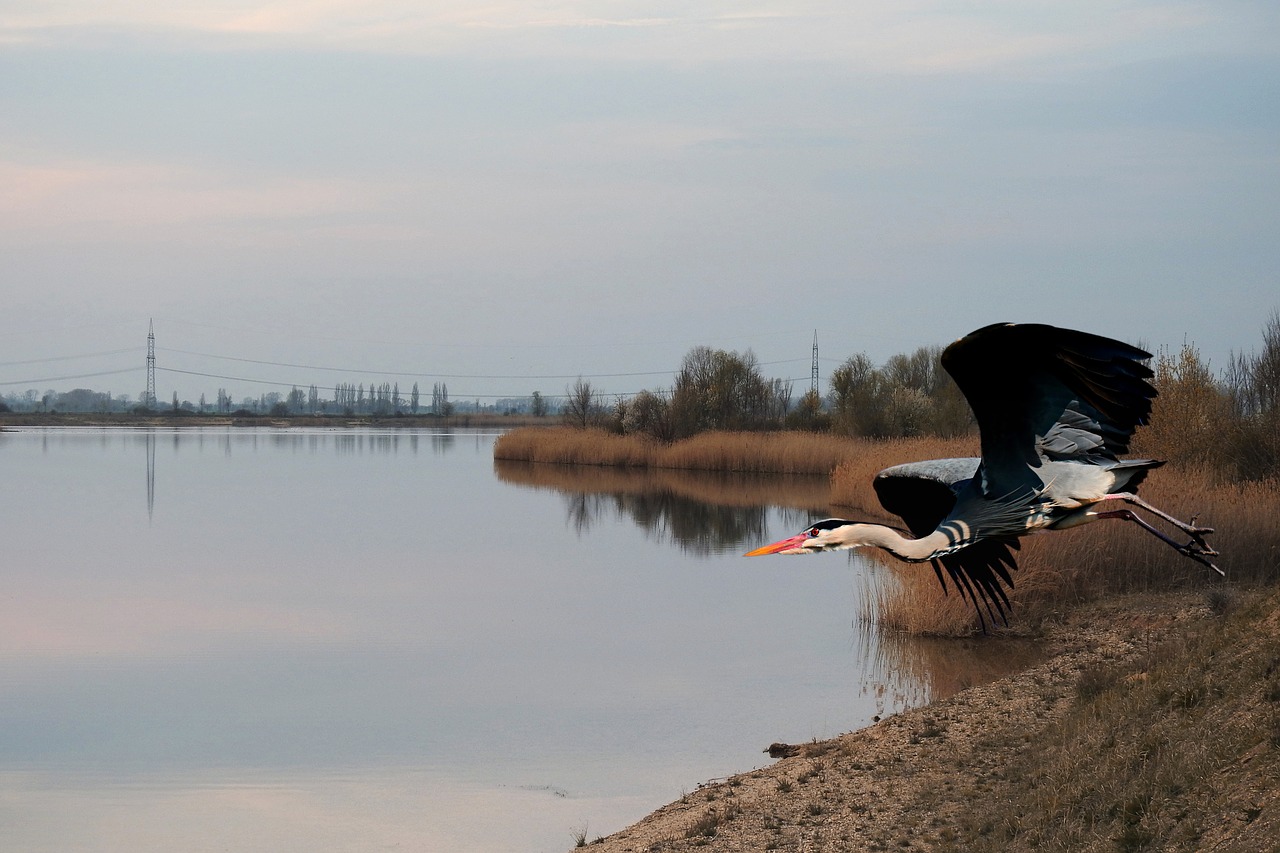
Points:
(612, 343)
(72, 376)
(67, 357)
(464, 396)
(410, 373)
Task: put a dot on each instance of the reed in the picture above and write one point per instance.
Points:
(739, 452)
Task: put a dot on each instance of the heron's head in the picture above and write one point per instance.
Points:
(830, 534)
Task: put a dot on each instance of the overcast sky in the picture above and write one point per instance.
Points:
(532, 191)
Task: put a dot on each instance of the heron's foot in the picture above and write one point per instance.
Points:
(1200, 552)
(1197, 535)
(1190, 527)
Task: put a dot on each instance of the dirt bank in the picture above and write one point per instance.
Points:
(1001, 766)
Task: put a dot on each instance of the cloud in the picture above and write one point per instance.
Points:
(121, 196)
(919, 37)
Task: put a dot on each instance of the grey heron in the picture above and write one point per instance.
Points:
(1055, 408)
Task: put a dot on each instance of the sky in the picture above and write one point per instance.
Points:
(505, 196)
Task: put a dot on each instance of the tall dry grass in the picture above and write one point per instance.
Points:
(743, 452)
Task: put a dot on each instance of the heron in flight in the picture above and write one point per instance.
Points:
(1055, 410)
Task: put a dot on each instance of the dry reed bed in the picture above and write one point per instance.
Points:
(759, 452)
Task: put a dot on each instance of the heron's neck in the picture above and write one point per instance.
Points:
(912, 550)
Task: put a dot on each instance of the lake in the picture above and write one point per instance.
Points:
(279, 640)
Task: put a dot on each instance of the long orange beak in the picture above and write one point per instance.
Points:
(791, 543)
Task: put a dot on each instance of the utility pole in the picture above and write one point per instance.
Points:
(813, 373)
(150, 402)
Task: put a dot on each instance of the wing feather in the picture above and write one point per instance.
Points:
(923, 494)
(1030, 385)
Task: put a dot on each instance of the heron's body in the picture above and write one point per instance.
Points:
(1055, 408)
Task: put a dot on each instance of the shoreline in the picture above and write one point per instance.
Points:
(926, 779)
(168, 420)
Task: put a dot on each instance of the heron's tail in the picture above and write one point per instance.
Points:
(1130, 473)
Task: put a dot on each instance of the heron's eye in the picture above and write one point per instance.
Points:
(813, 533)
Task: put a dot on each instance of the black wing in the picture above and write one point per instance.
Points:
(923, 494)
(1039, 389)
(978, 571)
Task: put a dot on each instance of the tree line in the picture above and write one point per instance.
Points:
(1229, 420)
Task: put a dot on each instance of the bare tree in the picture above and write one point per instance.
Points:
(580, 407)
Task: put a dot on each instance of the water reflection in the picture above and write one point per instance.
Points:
(151, 473)
(349, 640)
(229, 440)
(706, 513)
(701, 513)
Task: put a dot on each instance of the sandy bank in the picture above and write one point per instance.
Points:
(930, 779)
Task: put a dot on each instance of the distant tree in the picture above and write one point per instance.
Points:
(176, 404)
(857, 397)
(1190, 412)
(716, 389)
(537, 405)
(809, 414)
(1252, 387)
(82, 400)
(413, 399)
(279, 410)
(440, 404)
(580, 407)
(649, 413)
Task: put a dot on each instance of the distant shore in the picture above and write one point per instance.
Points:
(191, 420)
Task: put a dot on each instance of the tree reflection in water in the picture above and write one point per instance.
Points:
(700, 512)
(705, 513)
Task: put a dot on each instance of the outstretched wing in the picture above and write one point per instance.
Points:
(923, 494)
(1041, 390)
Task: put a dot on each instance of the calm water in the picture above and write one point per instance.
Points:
(338, 640)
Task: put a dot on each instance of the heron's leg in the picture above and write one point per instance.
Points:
(1190, 528)
(1197, 534)
(1195, 549)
